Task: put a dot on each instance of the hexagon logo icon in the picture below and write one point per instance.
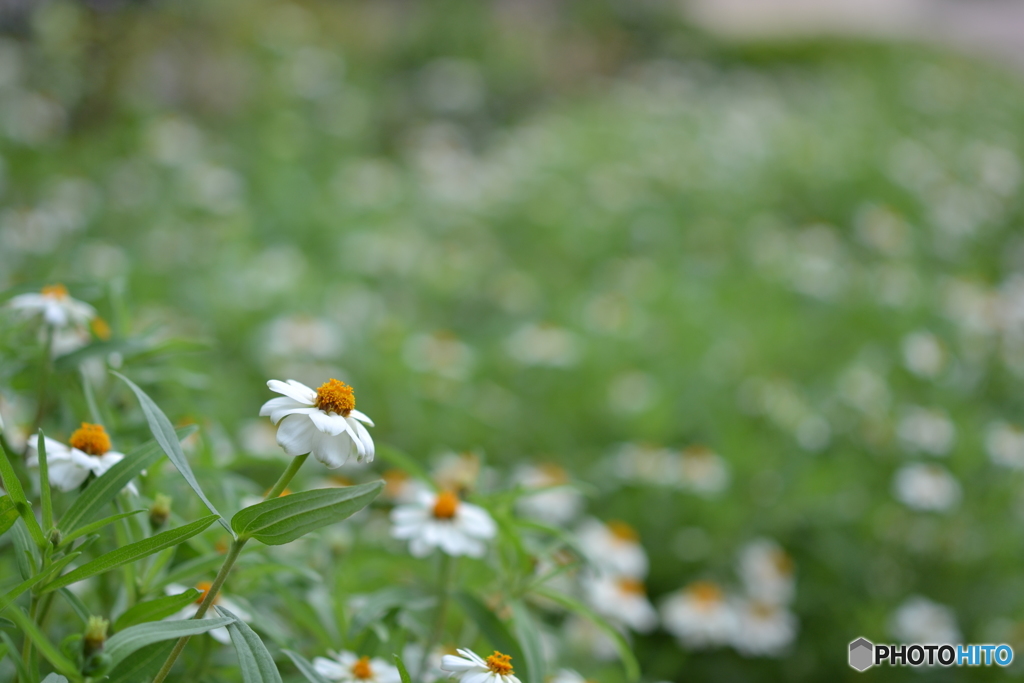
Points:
(862, 653)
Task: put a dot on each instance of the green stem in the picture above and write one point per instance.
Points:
(446, 573)
(44, 380)
(286, 477)
(26, 648)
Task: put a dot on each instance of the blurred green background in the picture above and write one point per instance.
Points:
(546, 230)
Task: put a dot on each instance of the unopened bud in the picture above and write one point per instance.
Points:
(56, 537)
(95, 635)
(160, 511)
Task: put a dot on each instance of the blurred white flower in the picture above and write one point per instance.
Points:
(700, 616)
(350, 668)
(763, 630)
(614, 548)
(469, 667)
(88, 452)
(703, 471)
(322, 422)
(543, 345)
(441, 353)
(412, 656)
(919, 620)
(926, 430)
(622, 599)
(557, 504)
(926, 487)
(1004, 443)
(585, 635)
(923, 354)
(767, 572)
(566, 676)
(456, 471)
(646, 464)
(221, 634)
(443, 521)
(57, 308)
(399, 487)
(292, 335)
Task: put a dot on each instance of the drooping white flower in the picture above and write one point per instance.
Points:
(767, 572)
(926, 487)
(614, 548)
(221, 634)
(557, 504)
(469, 667)
(763, 630)
(622, 599)
(443, 521)
(920, 620)
(324, 422)
(70, 465)
(351, 668)
(57, 308)
(700, 616)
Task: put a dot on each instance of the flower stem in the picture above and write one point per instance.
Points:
(286, 477)
(446, 573)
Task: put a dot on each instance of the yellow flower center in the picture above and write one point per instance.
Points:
(204, 587)
(91, 439)
(553, 473)
(361, 669)
(500, 664)
(706, 593)
(631, 586)
(100, 328)
(446, 505)
(335, 396)
(623, 532)
(57, 291)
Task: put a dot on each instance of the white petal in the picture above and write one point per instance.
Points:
(328, 669)
(65, 474)
(221, 635)
(295, 390)
(361, 417)
(478, 677)
(295, 435)
(364, 437)
(328, 424)
(475, 521)
(106, 461)
(419, 548)
(455, 664)
(277, 408)
(332, 451)
(406, 514)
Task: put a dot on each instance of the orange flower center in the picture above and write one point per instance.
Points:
(553, 473)
(100, 328)
(361, 669)
(91, 439)
(204, 587)
(706, 593)
(631, 586)
(623, 532)
(334, 396)
(446, 505)
(57, 291)
(500, 664)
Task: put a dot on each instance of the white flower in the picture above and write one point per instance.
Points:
(919, 620)
(348, 667)
(767, 572)
(55, 305)
(88, 452)
(443, 521)
(614, 548)
(324, 422)
(567, 676)
(622, 599)
(763, 629)
(930, 431)
(469, 667)
(412, 656)
(221, 634)
(926, 487)
(923, 354)
(700, 616)
(1005, 445)
(703, 471)
(400, 488)
(557, 504)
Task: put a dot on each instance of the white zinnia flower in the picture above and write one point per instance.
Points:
(622, 599)
(443, 521)
(324, 422)
(927, 430)
(700, 616)
(469, 667)
(558, 502)
(926, 487)
(221, 634)
(767, 572)
(349, 667)
(919, 620)
(763, 629)
(614, 548)
(1004, 443)
(55, 305)
(88, 452)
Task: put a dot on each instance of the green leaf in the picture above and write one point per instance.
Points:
(8, 513)
(132, 552)
(17, 493)
(122, 644)
(96, 526)
(403, 673)
(283, 519)
(45, 647)
(155, 610)
(253, 658)
(529, 641)
(492, 628)
(143, 665)
(629, 661)
(104, 489)
(77, 606)
(45, 502)
(377, 604)
(305, 668)
(54, 568)
(15, 655)
(163, 432)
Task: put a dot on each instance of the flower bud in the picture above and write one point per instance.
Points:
(56, 537)
(160, 511)
(95, 635)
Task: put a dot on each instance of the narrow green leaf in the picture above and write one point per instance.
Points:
(282, 520)
(132, 552)
(104, 489)
(8, 513)
(42, 643)
(96, 526)
(122, 644)
(376, 605)
(53, 569)
(90, 397)
(77, 606)
(492, 628)
(155, 610)
(17, 493)
(253, 658)
(305, 668)
(529, 641)
(629, 661)
(163, 432)
(15, 655)
(45, 501)
(143, 665)
(403, 673)
(27, 552)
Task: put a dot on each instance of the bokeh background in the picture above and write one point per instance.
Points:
(615, 236)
